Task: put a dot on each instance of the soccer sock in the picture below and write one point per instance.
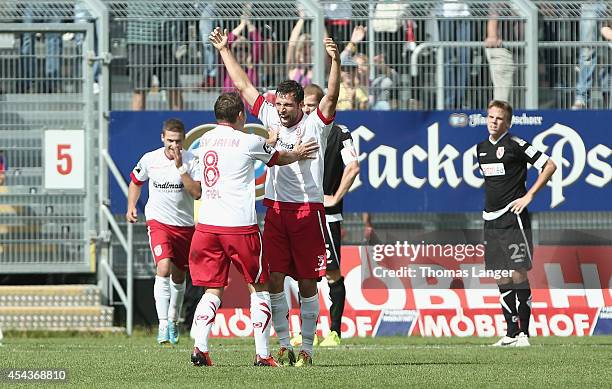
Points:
(161, 293)
(507, 299)
(337, 294)
(310, 313)
(523, 294)
(204, 319)
(261, 314)
(177, 295)
(280, 318)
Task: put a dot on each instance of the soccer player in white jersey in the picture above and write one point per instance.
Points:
(227, 230)
(171, 172)
(293, 241)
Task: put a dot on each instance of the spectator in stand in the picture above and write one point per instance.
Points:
(382, 89)
(299, 59)
(207, 13)
(352, 95)
(152, 56)
(2, 169)
(588, 56)
(53, 47)
(454, 27)
(501, 63)
(246, 50)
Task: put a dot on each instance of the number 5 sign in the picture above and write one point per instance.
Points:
(64, 159)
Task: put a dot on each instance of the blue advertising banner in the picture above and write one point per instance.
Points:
(426, 161)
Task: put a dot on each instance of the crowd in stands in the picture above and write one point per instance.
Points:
(157, 52)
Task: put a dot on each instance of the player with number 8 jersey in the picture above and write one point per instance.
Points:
(227, 230)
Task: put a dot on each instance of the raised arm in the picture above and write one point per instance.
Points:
(492, 40)
(293, 38)
(329, 101)
(237, 74)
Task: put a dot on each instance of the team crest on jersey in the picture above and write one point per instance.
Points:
(500, 152)
(157, 250)
(298, 131)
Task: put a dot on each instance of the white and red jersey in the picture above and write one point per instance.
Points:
(298, 185)
(228, 182)
(168, 202)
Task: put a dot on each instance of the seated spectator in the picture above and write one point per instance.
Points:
(299, 59)
(352, 95)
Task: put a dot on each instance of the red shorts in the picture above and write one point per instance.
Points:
(213, 248)
(294, 244)
(168, 241)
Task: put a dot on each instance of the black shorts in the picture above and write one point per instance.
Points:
(332, 244)
(507, 245)
(147, 60)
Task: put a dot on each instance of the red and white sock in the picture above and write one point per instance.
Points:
(309, 313)
(280, 317)
(261, 317)
(204, 319)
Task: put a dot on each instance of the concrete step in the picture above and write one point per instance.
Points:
(55, 318)
(51, 296)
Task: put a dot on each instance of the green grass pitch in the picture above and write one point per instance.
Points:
(118, 361)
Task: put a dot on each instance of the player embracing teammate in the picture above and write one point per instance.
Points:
(293, 239)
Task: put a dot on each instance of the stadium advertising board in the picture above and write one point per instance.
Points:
(564, 304)
(426, 161)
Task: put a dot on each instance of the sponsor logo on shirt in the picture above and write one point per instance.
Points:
(168, 186)
(493, 169)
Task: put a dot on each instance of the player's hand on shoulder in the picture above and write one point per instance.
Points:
(218, 38)
(306, 150)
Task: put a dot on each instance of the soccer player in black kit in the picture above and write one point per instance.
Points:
(503, 160)
(341, 168)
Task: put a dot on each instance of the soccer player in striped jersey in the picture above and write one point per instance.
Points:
(503, 160)
(293, 239)
(171, 172)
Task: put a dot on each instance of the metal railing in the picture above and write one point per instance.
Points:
(46, 229)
